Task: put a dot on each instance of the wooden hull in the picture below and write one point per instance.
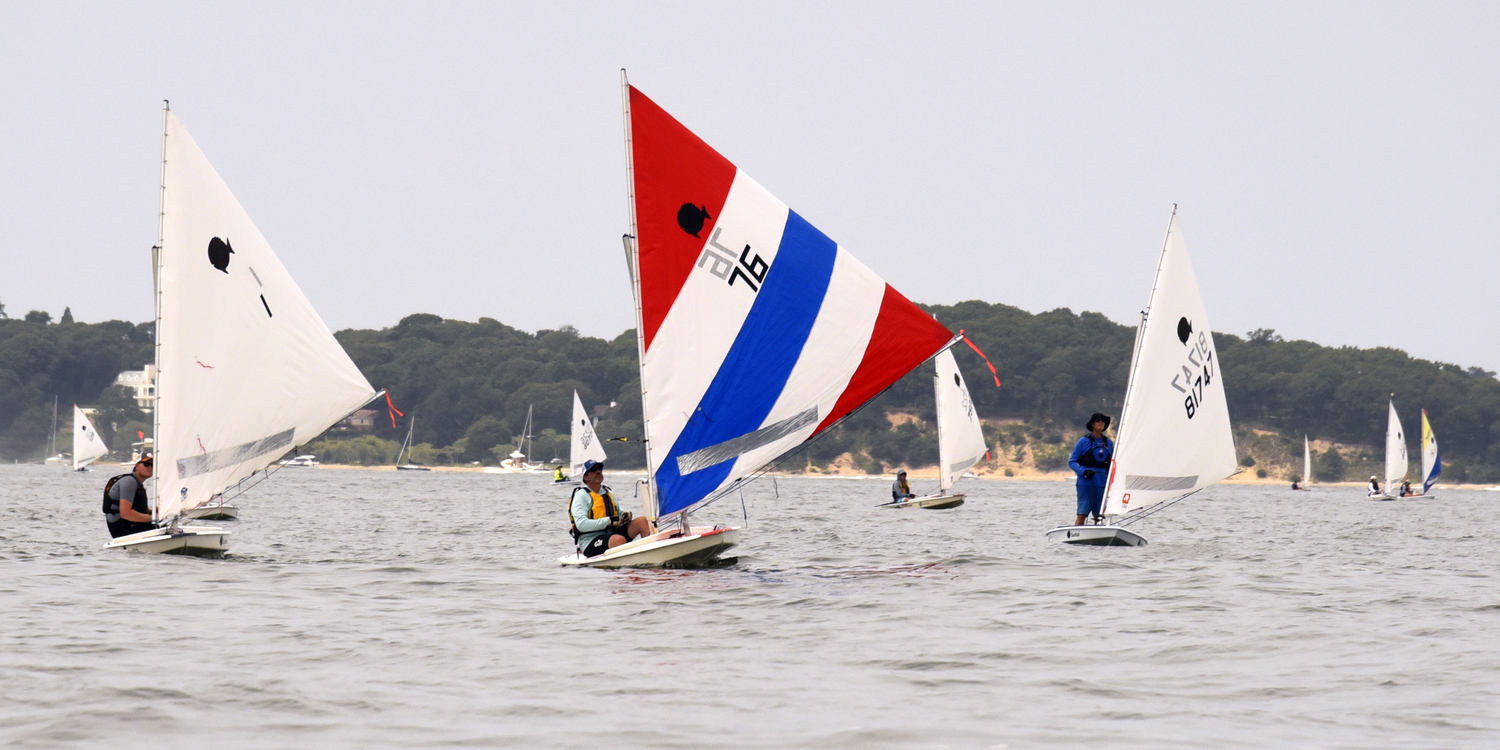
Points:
(203, 541)
(1096, 536)
(668, 549)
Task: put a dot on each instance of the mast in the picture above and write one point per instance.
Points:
(1135, 355)
(944, 481)
(529, 407)
(156, 255)
(632, 262)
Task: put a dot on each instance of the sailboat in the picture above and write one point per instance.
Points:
(406, 449)
(52, 456)
(1432, 463)
(1306, 466)
(1174, 437)
(516, 462)
(246, 370)
(585, 446)
(87, 445)
(756, 332)
(960, 436)
(1396, 462)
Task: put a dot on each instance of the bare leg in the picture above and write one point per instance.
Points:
(639, 527)
(616, 540)
(1081, 517)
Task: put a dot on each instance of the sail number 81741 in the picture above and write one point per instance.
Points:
(1201, 356)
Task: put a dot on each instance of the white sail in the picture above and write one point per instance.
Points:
(87, 445)
(246, 370)
(1396, 462)
(960, 435)
(1175, 436)
(1432, 463)
(586, 445)
(1306, 462)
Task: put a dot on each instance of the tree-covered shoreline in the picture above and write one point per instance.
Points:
(469, 385)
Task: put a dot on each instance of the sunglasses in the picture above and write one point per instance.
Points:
(146, 464)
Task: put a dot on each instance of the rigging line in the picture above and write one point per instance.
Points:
(1158, 507)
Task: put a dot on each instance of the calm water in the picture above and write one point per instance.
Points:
(376, 609)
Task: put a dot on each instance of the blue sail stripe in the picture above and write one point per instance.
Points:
(754, 373)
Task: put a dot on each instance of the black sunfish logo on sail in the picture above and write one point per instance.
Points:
(219, 252)
(1184, 330)
(691, 218)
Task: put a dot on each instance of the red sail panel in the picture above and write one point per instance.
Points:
(904, 337)
(680, 187)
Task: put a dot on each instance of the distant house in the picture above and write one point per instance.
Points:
(360, 421)
(142, 383)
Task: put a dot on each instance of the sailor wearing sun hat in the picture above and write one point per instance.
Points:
(1090, 460)
(598, 522)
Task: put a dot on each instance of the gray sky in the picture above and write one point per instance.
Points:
(1335, 164)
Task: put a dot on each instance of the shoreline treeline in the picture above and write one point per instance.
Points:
(469, 384)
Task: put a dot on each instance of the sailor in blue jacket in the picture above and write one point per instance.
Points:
(1090, 460)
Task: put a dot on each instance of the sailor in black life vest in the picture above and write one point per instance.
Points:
(125, 508)
(1090, 459)
(598, 522)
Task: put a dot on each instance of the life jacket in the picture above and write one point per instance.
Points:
(112, 506)
(1090, 461)
(603, 507)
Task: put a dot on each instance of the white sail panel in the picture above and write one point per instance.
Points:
(586, 445)
(246, 370)
(1306, 462)
(1175, 435)
(1432, 463)
(1396, 461)
(960, 433)
(87, 445)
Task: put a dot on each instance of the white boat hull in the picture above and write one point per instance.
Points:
(1099, 536)
(1381, 496)
(931, 502)
(412, 467)
(668, 549)
(213, 513)
(186, 540)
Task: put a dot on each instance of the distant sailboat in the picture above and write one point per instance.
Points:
(1432, 463)
(1175, 436)
(246, 370)
(756, 332)
(960, 435)
(406, 448)
(1396, 462)
(87, 445)
(585, 445)
(516, 462)
(1306, 465)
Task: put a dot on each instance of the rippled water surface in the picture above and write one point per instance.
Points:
(382, 609)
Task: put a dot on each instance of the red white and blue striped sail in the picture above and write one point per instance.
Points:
(757, 331)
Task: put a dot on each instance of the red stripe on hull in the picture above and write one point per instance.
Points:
(904, 337)
(673, 167)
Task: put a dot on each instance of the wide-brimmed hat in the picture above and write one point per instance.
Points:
(591, 464)
(1098, 417)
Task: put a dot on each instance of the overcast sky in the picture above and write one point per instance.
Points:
(1335, 164)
